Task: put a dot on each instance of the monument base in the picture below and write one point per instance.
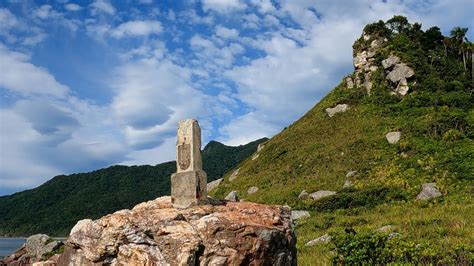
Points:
(188, 189)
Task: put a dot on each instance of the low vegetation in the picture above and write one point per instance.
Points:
(436, 119)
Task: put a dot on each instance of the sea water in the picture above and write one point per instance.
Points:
(9, 245)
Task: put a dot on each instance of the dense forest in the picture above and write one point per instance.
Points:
(54, 207)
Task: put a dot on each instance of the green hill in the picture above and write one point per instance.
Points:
(436, 121)
(55, 207)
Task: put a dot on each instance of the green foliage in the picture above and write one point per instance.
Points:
(436, 119)
(377, 248)
(54, 207)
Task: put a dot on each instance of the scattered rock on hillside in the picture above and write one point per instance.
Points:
(429, 191)
(322, 239)
(260, 147)
(340, 108)
(303, 195)
(252, 190)
(213, 184)
(386, 228)
(255, 156)
(347, 184)
(392, 235)
(296, 215)
(155, 233)
(233, 176)
(351, 173)
(321, 194)
(393, 137)
(232, 196)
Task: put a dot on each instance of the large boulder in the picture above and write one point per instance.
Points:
(428, 191)
(155, 233)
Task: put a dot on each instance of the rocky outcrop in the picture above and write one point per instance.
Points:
(393, 137)
(213, 184)
(428, 191)
(37, 248)
(364, 61)
(340, 108)
(155, 233)
(321, 194)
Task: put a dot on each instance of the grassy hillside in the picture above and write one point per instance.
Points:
(54, 207)
(316, 152)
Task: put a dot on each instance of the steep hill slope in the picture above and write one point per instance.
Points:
(54, 207)
(405, 80)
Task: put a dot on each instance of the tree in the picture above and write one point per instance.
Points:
(398, 24)
(458, 34)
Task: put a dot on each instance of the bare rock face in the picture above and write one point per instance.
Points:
(340, 108)
(428, 191)
(364, 61)
(155, 233)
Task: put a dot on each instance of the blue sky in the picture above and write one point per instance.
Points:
(88, 84)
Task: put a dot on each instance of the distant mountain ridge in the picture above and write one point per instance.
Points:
(54, 207)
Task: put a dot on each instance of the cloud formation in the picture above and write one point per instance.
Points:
(106, 82)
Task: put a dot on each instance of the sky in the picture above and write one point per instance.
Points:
(92, 83)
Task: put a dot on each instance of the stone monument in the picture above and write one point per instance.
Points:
(188, 184)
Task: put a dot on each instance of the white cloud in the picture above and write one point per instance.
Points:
(264, 6)
(223, 6)
(72, 7)
(15, 67)
(226, 33)
(102, 6)
(153, 95)
(137, 28)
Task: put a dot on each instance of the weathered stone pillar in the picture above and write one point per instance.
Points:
(188, 184)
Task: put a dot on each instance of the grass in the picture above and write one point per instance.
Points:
(316, 152)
